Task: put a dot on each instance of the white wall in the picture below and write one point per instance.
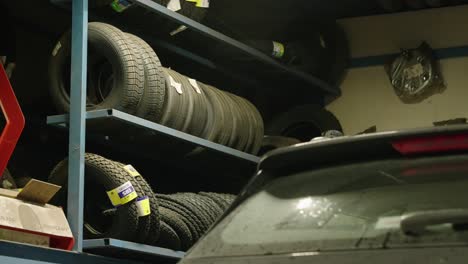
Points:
(368, 98)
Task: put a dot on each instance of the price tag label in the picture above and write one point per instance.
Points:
(123, 194)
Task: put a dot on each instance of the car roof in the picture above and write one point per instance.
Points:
(349, 148)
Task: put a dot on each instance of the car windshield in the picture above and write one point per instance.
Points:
(357, 206)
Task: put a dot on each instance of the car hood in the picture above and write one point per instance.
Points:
(449, 255)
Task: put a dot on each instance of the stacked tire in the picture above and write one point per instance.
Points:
(185, 217)
(102, 218)
(174, 221)
(125, 73)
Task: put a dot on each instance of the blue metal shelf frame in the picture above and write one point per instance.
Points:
(114, 245)
(17, 253)
(78, 115)
(122, 120)
(77, 136)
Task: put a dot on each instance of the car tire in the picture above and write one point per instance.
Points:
(304, 123)
(152, 103)
(110, 43)
(106, 174)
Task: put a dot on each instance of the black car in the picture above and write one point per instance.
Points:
(394, 197)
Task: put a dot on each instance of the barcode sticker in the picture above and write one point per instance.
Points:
(122, 194)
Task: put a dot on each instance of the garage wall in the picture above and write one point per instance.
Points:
(368, 98)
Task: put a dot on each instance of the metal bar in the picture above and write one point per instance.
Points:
(63, 119)
(182, 52)
(11, 260)
(138, 248)
(440, 54)
(260, 56)
(77, 120)
(137, 121)
(28, 253)
(184, 136)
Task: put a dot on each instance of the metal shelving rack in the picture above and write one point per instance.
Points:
(79, 120)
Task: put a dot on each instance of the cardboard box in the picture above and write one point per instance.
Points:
(26, 217)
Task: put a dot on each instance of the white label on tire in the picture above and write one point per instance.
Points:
(176, 85)
(174, 5)
(56, 49)
(143, 206)
(195, 85)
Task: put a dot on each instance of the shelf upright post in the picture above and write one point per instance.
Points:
(76, 150)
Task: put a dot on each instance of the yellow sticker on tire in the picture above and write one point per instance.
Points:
(123, 194)
(131, 170)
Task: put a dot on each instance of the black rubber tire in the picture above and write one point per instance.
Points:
(230, 126)
(275, 142)
(173, 115)
(126, 62)
(187, 105)
(217, 199)
(241, 125)
(214, 131)
(194, 223)
(246, 131)
(212, 119)
(338, 51)
(308, 117)
(148, 226)
(415, 4)
(22, 181)
(104, 172)
(225, 128)
(174, 220)
(196, 208)
(7, 181)
(259, 128)
(199, 115)
(168, 238)
(437, 3)
(152, 103)
(391, 5)
(251, 124)
(214, 209)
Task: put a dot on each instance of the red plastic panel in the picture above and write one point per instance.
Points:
(14, 120)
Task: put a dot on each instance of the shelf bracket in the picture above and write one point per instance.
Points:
(77, 120)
